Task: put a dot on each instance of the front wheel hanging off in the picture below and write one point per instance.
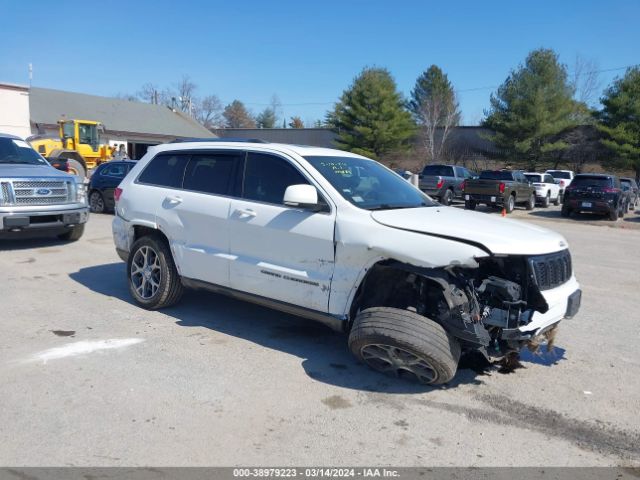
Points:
(405, 345)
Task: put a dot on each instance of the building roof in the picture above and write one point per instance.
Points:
(47, 106)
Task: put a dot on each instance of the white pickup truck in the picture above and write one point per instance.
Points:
(34, 196)
(339, 238)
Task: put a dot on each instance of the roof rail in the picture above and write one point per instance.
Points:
(218, 139)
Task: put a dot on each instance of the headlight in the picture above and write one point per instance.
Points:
(81, 192)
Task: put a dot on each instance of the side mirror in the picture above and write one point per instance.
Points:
(301, 196)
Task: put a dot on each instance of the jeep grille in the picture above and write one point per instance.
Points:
(551, 270)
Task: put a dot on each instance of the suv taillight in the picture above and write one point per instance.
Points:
(116, 193)
(501, 187)
(440, 183)
(610, 190)
(562, 183)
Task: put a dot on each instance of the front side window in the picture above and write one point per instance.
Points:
(266, 177)
(165, 170)
(368, 185)
(210, 173)
(533, 178)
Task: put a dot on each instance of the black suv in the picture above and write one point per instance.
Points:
(596, 193)
(104, 181)
(630, 185)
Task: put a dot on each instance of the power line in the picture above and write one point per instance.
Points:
(473, 89)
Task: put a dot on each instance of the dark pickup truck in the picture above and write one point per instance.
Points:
(443, 182)
(500, 188)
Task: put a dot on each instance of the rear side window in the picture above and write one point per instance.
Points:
(549, 179)
(118, 170)
(165, 170)
(266, 177)
(533, 178)
(438, 170)
(210, 173)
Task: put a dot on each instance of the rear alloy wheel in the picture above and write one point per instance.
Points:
(447, 198)
(531, 203)
(510, 204)
(153, 278)
(405, 345)
(469, 205)
(96, 202)
(547, 200)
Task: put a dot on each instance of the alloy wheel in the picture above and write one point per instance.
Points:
(146, 272)
(398, 362)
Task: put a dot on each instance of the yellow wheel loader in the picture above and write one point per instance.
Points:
(78, 146)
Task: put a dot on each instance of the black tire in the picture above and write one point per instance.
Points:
(469, 205)
(510, 204)
(565, 212)
(76, 168)
(96, 202)
(164, 274)
(547, 200)
(447, 198)
(412, 337)
(531, 203)
(614, 214)
(73, 234)
(558, 200)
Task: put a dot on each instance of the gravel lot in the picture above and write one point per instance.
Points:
(215, 381)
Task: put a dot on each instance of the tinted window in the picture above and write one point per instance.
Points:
(560, 174)
(266, 177)
(548, 179)
(165, 170)
(210, 173)
(496, 175)
(438, 170)
(533, 178)
(591, 181)
(117, 170)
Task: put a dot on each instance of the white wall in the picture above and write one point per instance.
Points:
(14, 110)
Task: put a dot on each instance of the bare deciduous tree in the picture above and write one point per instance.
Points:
(150, 93)
(208, 111)
(436, 109)
(586, 80)
(185, 90)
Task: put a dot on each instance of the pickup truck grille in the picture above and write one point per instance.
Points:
(36, 192)
(551, 270)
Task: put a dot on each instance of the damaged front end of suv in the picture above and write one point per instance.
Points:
(497, 307)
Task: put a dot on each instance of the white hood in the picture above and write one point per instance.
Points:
(498, 235)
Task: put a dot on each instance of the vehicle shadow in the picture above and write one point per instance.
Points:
(324, 354)
(26, 241)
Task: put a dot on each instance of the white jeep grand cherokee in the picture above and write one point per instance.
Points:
(338, 238)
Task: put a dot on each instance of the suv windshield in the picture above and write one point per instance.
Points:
(13, 150)
(496, 175)
(368, 185)
(559, 174)
(591, 181)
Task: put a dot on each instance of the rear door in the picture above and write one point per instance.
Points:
(196, 216)
(280, 252)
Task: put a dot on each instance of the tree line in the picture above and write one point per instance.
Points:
(539, 116)
(209, 110)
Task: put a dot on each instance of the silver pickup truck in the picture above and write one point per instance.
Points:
(36, 196)
(444, 182)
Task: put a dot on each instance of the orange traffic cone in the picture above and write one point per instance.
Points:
(504, 212)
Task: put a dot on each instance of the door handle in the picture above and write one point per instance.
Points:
(174, 199)
(246, 212)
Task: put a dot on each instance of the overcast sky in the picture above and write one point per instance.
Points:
(306, 52)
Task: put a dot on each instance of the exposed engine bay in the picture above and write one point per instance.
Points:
(483, 307)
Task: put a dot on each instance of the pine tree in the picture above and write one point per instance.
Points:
(267, 118)
(620, 121)
(531, 107)
(370, 118)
